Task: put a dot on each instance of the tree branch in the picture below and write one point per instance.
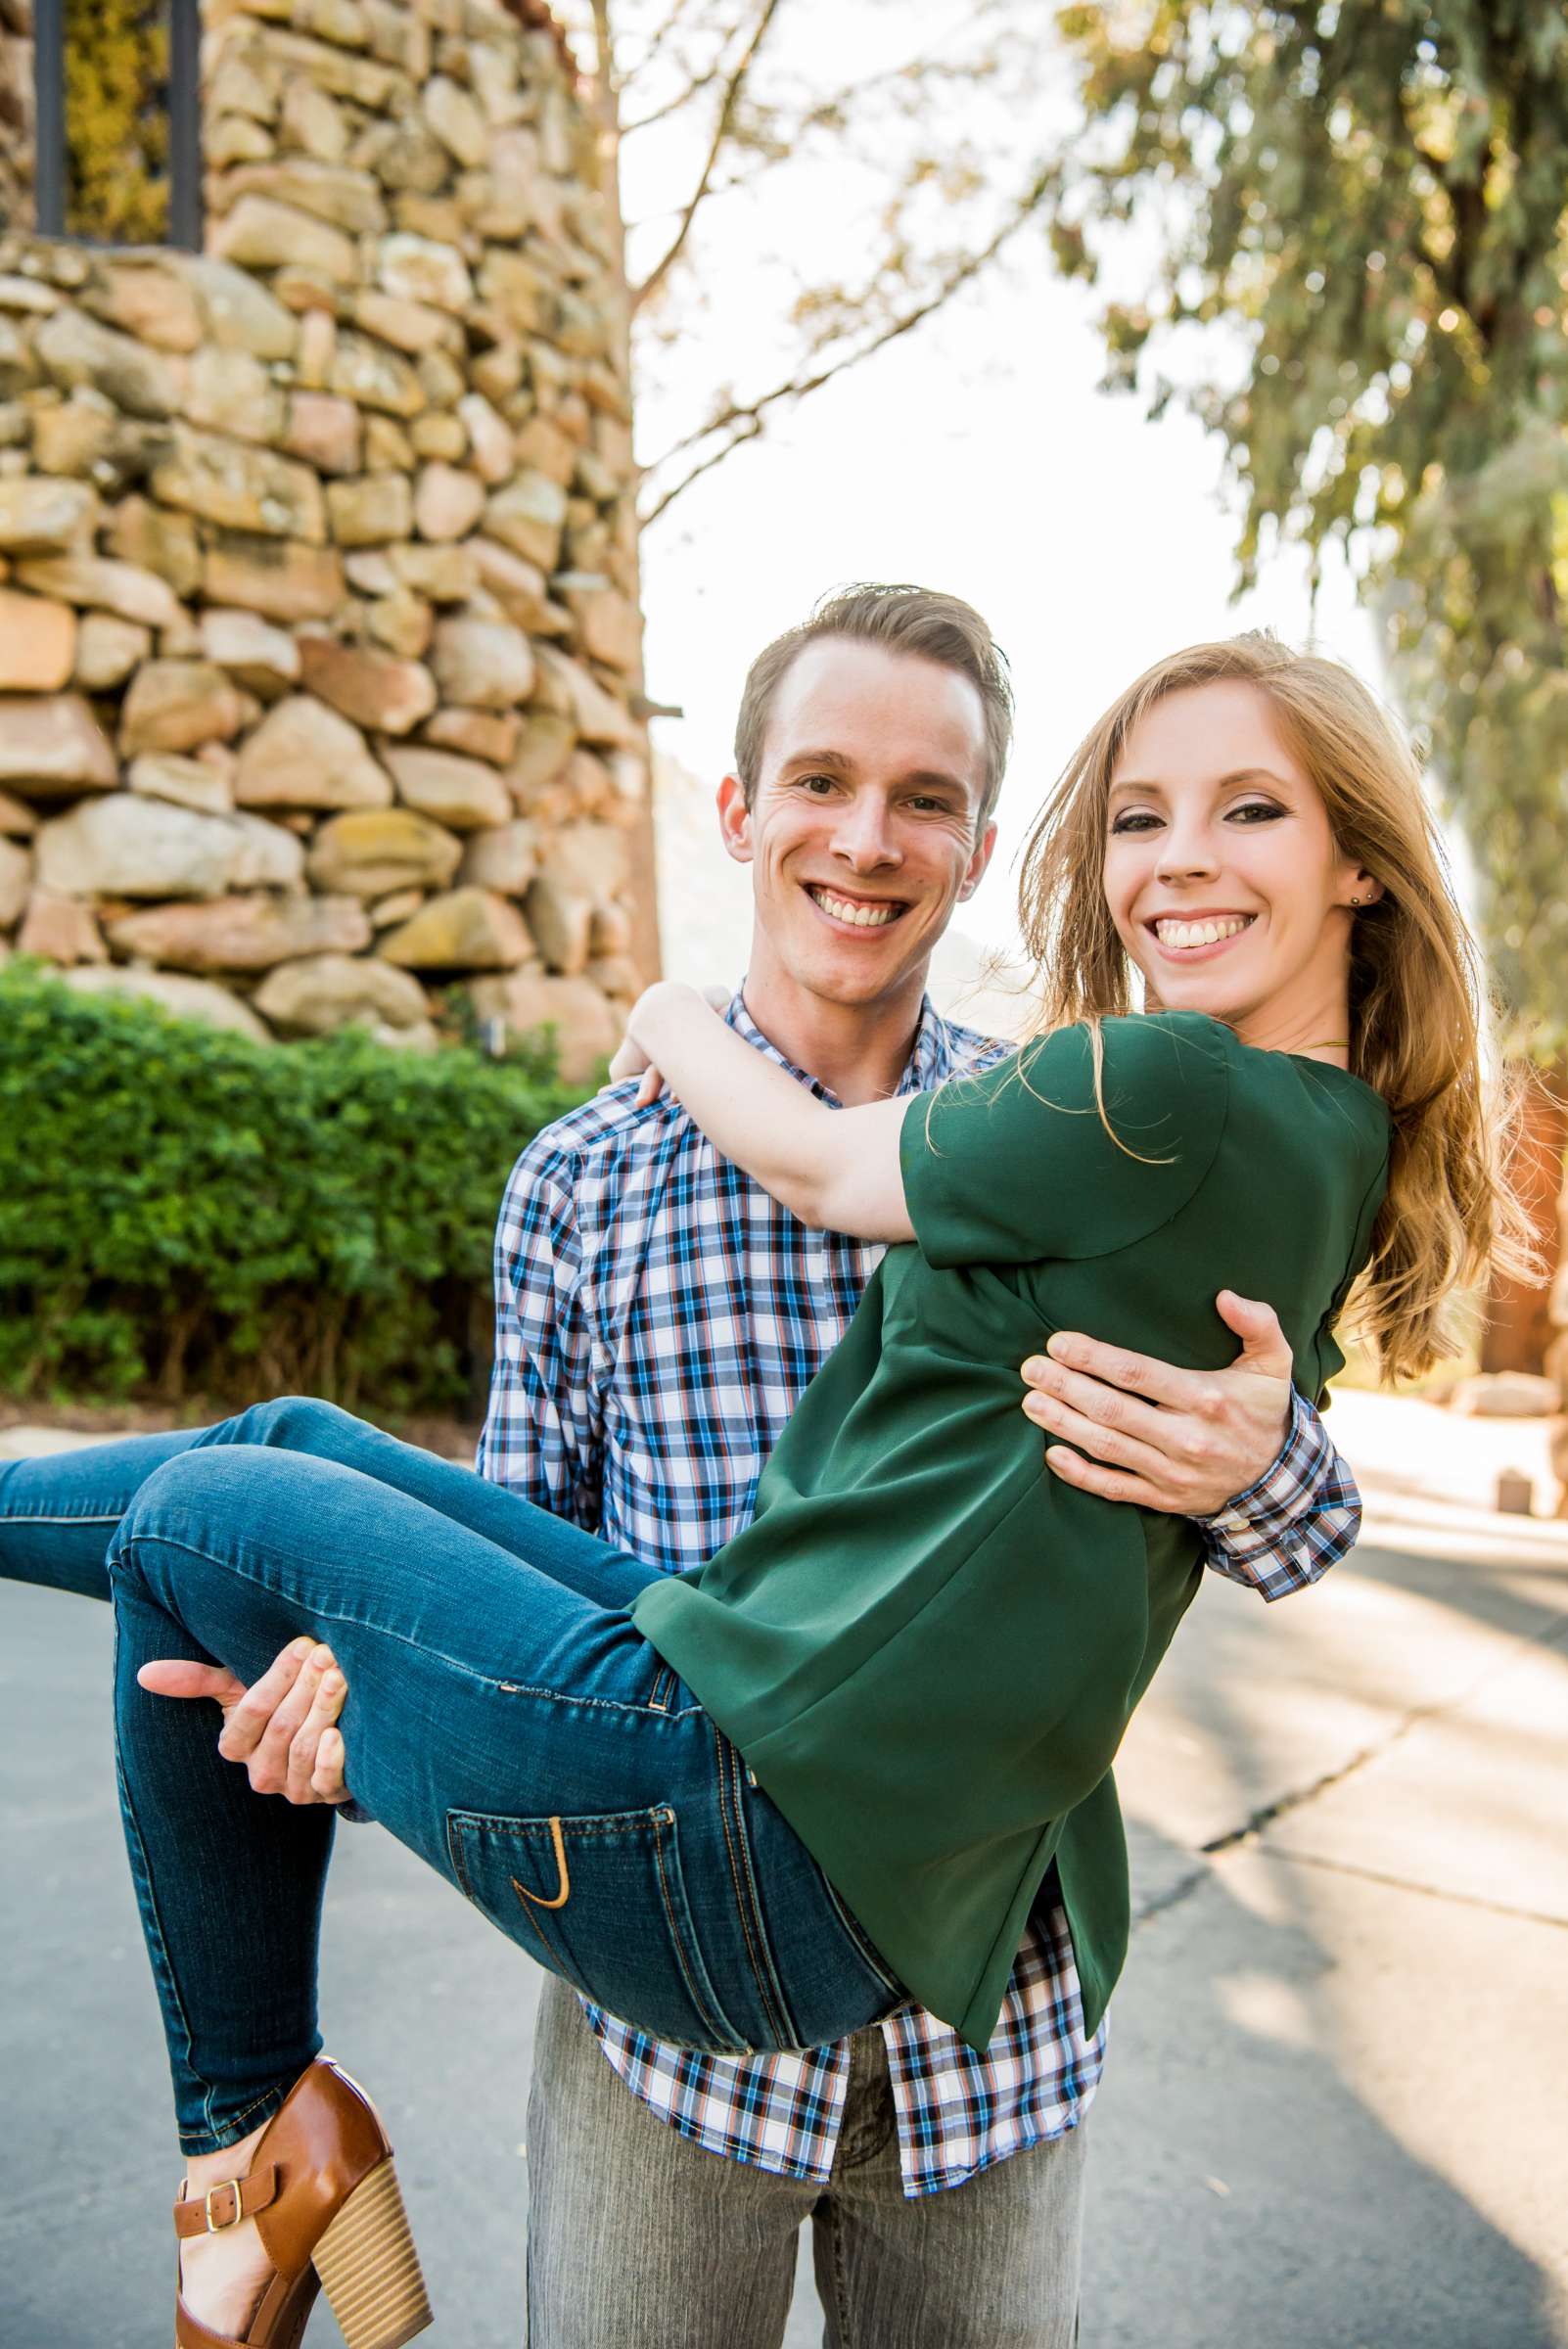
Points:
(722, 130)
(672, 105)
(743, 420)
(655, 41)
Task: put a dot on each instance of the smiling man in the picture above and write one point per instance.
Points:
(658, 1317)
(862, 797)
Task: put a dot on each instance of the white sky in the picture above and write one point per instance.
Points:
(978, 456)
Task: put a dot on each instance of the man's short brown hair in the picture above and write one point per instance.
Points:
(905, 620)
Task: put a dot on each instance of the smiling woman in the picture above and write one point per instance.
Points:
(1219, 863)
(1243, 783)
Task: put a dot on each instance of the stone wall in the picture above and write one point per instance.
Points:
(319, 644)
(17, 106)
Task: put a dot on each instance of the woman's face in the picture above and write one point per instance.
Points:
(1221, 875)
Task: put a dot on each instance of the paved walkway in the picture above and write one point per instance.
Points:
(1333, 2113)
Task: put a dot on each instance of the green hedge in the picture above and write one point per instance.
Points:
(185, 1211)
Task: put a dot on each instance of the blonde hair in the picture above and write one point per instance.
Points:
(1417, 1004)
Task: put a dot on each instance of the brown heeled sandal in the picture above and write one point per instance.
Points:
(324, 2195)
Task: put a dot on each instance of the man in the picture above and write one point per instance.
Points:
(657, 1316)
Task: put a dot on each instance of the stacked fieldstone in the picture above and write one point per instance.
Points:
(17, 105)
(319, 647)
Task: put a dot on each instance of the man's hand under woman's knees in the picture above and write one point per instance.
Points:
(281, 1728)
(1135, 1429)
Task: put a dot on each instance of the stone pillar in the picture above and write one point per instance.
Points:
(17, 109)
(320, 654)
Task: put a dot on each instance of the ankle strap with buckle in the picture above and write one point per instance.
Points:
(226, 2204)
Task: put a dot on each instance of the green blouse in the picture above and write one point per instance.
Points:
(926, 1646)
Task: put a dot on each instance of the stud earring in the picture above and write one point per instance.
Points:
(1356, 900)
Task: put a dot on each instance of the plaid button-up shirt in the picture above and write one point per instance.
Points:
(657, 1316)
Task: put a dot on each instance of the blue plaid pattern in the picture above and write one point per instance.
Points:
(657, 1316)
(1294, 1522)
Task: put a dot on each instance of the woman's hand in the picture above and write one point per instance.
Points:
(630, 1060)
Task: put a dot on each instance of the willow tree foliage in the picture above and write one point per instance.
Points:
(1372, 196)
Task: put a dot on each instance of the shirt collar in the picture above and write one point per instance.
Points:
(934, 1056)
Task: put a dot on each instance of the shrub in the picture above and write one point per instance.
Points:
(185, 1210)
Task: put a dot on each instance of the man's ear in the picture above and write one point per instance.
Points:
(978, 862)
(735, 819)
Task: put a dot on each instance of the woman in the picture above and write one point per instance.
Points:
(757, 1806)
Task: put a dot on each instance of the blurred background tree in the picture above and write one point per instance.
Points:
(898, 145)
(1337, 230)
(1370, 200)
(117, 121)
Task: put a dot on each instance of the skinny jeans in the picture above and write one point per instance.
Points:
(505, 1719)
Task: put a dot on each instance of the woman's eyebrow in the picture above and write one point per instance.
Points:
(1240, 774)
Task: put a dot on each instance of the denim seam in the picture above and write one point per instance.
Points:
(778, 2021)
(267, 2105)
(852, 1925)
(562, 1696)
(676, 1941)
(734, 1874)
(758, 1918)
(367, 1623)
(63, 1517)
(153, 1926)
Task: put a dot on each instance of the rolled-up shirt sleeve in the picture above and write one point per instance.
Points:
(1301, 1518)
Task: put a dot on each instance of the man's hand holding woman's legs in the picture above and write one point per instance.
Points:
(281, 1727)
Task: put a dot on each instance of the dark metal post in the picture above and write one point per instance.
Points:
(184, 123)
(49, 149)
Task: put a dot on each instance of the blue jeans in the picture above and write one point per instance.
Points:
(505, 1719)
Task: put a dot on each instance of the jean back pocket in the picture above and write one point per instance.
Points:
(601, 1900)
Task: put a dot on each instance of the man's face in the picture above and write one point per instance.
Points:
(861, 833)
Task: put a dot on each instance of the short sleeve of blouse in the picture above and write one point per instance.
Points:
(1016, 1163)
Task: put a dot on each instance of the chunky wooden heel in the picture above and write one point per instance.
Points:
(324, 2195)
(369, 2269)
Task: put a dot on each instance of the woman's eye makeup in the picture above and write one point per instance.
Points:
(1249, 812)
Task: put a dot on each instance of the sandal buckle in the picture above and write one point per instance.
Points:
(224, 2186)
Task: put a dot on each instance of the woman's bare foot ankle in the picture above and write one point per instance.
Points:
(223, 2275)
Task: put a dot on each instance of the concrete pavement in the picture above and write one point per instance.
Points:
(1333, 2113)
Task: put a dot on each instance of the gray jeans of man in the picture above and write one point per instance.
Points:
(640, 2240)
